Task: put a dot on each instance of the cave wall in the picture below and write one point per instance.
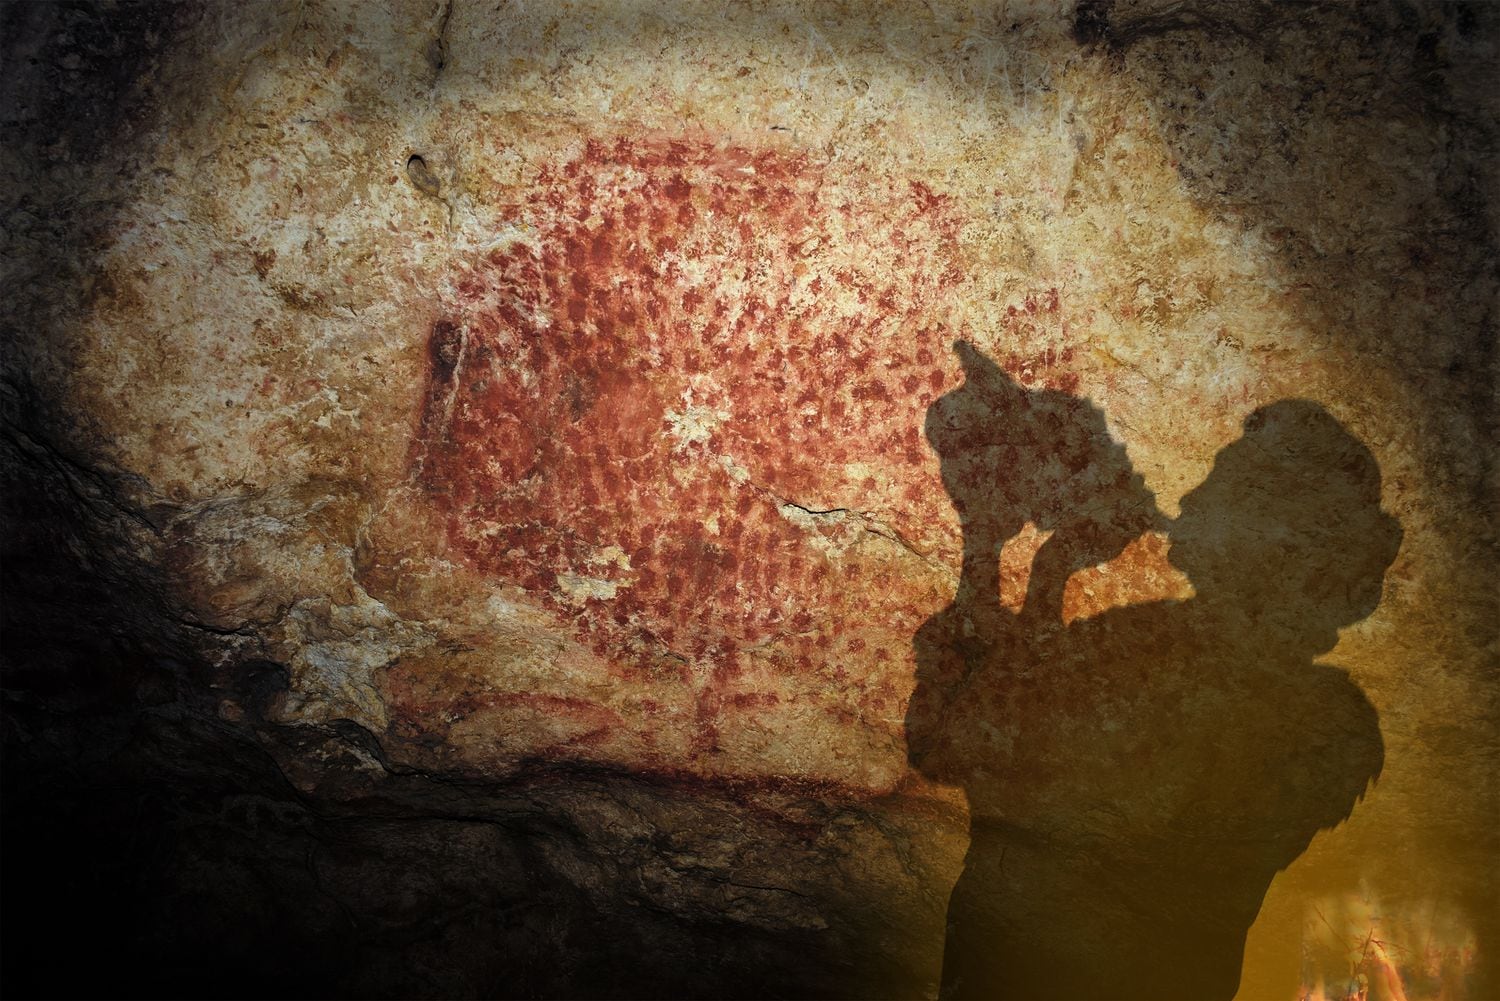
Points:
(469, 509)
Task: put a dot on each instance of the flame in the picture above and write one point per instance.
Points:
(1356, 948)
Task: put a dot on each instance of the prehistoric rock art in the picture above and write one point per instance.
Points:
(474, 475)
(678, 362)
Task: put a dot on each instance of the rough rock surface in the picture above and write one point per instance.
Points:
(469, 512)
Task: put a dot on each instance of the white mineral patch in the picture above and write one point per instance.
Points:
(581, 589)
(694, 424)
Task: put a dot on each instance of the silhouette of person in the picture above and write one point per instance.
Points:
(1137, 779)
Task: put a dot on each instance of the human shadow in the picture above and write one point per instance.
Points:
(1136, 779)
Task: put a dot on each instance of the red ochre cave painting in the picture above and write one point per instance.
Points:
(684, 338)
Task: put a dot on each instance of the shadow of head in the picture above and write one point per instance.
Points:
(1287, 529)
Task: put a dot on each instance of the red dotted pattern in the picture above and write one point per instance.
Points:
(687, 335)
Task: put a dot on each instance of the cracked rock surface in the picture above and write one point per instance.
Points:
(468, 507)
